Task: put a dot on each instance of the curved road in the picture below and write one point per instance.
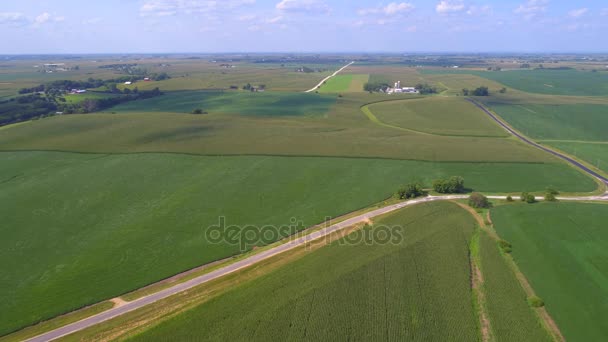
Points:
(530, 142)
(328, 77)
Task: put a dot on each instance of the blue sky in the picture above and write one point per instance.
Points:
(120, 26)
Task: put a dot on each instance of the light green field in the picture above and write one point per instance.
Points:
(555, 82)
(244, 103)
(344, 83)
(94, 226)
(438, 115)
(511, 318)
(562, 250)
(415, 289)
(559, 122)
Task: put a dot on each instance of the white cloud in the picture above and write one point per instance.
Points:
(247, 17)
(163, 8)
(449, 6)
(42, 18)
(316, 6)
(12, 18)
(532, 8)
(391, 9)
(479, 10)
(577, 13)
(275, 19)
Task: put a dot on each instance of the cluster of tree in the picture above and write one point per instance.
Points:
(550, 195)
(425, 89)
(375, 86)
(527, 197)
(477, 200)
(37, 105)
(25, 108)
(494, 68)
(411, 190)
(452, 185)
(250, 87)
(480, 91)
(94, 105)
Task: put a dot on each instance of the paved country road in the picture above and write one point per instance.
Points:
(328, 77)
(530, 142)
(294, 242)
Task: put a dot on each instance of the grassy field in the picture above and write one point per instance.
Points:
(562, 250)
(95, 226)
(559, 122)
(438, 115)
(244, 103)
(594, 154)
(555, 82)
(511, 317)
(416, 289)
(345, 131)
(344, 83)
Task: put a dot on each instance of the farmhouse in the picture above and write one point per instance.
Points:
(128, 83)
(398, 89)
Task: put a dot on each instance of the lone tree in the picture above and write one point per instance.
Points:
(411, 190)
(550, 195)
(477, 200)
(198, 111)
(452, 185)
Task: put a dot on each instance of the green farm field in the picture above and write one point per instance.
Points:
(557, 122)
(345, 131)
(562, 250)
(234, 102)
(417, 288)
(438, 115)
(511, 317)
(595, 154)
(134, 219)
(554, 82)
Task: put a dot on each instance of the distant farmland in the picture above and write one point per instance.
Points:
(417, 289)
(553, 82)
(562, 249)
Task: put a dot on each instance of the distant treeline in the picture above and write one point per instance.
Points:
(91, 83)
(48, 99)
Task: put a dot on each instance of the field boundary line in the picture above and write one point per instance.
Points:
(373, 118)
